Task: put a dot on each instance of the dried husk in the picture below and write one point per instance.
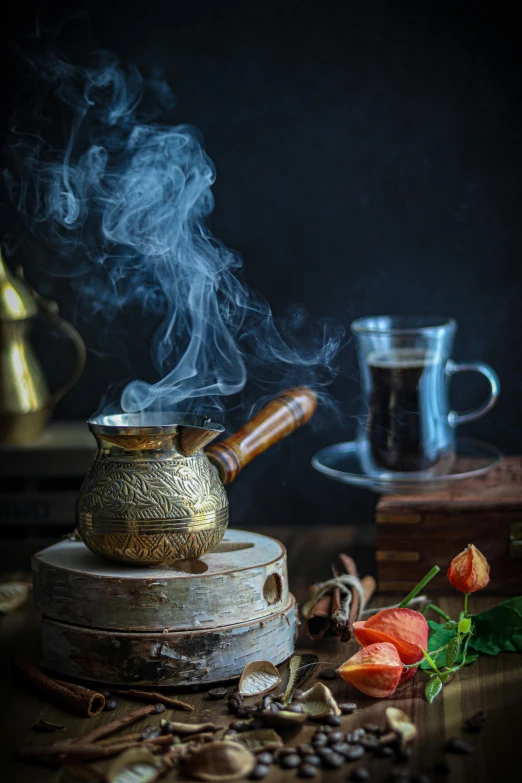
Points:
(300, 668)
(218, 761)
(258, 677)
(184, 729)
(46, 725)
(319, 702)
(260, 739)
(401, 725)
(284, 719)
(12, 596)
(136, 765)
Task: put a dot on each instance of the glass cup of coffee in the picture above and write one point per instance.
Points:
(408, 426)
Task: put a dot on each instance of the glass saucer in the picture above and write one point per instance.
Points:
(341, 463)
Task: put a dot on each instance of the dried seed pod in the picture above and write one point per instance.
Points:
(400, 723)
(300, 668)
(12, 596)
(218, 761)
(281, 719)
(46, 725)
(135, 764)
(319, 702)
(258, 677)
(260, 739)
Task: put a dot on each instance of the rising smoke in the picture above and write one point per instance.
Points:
(122, 193)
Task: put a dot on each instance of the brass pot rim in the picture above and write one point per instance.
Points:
(151, 423)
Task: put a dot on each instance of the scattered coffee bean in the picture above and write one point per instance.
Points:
(335, 736)
(420, 779)
(359, 773)
(244, 712)
(458, 746)
(332, 720)
(291, 761)
(313, 759)
(319, 740)
(369, 742)
(110, 705)
(217, 693)
(266, 701)
(307, 771)
(332, 760)
(279, 705)
(403, 754)
(298, 708)
(273, 707)
(297, 693)
(383, 751)
(372, 728)
(256, 724)
(260, 772)
(476, 722)
(149, 732)
(341, 747)
(305, 750)
(234, 705)
(265, 758)
(442, 768)
(328, 674)
(159, 708)
(287, 752)
(239, 725)
(481, 715)
(107, 694)
(347, 708)
(357, 734)
(354, 752)
(326, 729)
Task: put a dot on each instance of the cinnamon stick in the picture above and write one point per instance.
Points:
(89, 751)
(319, 620)
(368, 585)
(115, 725)
(154, 697)
(83, 700)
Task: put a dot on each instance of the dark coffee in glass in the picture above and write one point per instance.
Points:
(403, 383)
(407, 426)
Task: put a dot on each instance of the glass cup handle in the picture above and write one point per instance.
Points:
(452, 368)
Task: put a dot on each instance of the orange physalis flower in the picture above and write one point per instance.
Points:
(405, 628)
(374, 670)
(469, 571)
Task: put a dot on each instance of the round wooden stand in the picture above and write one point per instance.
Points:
(197, 621)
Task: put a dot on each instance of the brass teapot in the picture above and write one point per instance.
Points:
(25, 400)
(154, 496)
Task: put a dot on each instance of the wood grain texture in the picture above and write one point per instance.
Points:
(493, 684)
(245, 576)
(282, 416)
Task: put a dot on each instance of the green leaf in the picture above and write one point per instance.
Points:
(439, 638)
(452, 651)
(433, 688)
(498, 629)
(451, 625)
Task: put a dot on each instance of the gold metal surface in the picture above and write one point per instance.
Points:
(151, 495)
(25, 400)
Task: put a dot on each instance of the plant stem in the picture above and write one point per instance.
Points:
(436, 609)
(416, 590)
(466, 596)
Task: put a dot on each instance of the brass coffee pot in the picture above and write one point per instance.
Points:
(25, 400)
(153, 496)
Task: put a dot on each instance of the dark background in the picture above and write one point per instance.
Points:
(368, 160)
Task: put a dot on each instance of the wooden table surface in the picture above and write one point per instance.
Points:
(491, 684)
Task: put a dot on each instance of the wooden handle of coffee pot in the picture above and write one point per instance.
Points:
(282, 416)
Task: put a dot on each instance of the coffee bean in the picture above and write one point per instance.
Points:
(260, 772)
(328, 674)
(305, 750)
(332, 760)
(291, 761)
(107, 694)
(341, 747)
(458, 746)
(159, 708)
(266, 702)
(297, 693)
(326, 729)
(149, 732)
(335, 736)
(369, 742)
(256, 724)
(307, 771)
(372, 728)
(473, 726)
(313, 759)
(347, 708)
(332, 720)
(297, 708)
(357, 734)
(442, 768)
(265, 758)
(110, 705)
(319, 740)
(217, 693)
(481, 715)
(278, 704)
(354, 752)
(359, 773)
(244, 712)
(287, 752)
(383, 751)
(239, 725)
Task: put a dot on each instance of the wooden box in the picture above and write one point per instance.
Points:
(415, 532)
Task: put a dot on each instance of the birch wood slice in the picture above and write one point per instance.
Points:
(168, 659)
(244, 578)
